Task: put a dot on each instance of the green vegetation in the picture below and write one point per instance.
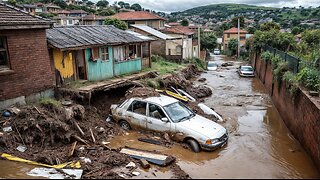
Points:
(50, 102)
(184, 22)
(232, 47)
(208, 41)
(117, 23)
(163, 66)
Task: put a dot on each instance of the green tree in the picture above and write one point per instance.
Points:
(136, 7)
(121, 4)
(251, 29)
(60, 3)
(102, 3)
(234, 22)
(106, 12)
(126, 5)
(208, 41)
(184, 22)
(296, 30)
(311, 37)
(269, 25)
(233, 46)
(12, 2)
(116, 23)
(90, 3)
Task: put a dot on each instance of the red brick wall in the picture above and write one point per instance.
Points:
(29, 59)
(302, 116)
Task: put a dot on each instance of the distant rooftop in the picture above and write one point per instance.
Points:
(14, 18)
(137, 15)
(151, 31)
(234, 31)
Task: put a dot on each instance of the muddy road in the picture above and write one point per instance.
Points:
(259, 146)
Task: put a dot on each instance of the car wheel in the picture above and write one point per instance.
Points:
(193, 145)
(124, 125)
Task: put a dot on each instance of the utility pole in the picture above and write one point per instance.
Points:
(238, 37)
(199, 42)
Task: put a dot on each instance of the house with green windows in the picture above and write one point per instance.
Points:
(95, 52)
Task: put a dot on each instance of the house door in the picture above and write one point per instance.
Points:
(80, 65)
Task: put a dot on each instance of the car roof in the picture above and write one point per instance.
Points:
(161, 100)
(247, 66)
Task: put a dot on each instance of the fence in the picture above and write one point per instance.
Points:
(293, 62)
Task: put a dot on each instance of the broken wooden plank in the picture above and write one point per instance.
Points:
(72, 148)
(158, 159)
(80, 139)
(92, 136)
(151, 141)
(79, 128)
(144, 163)
(37, 109)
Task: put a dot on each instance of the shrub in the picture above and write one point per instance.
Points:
(310, 78)
(50, 102)
(266, 56)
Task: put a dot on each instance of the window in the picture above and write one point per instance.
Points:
(4, 60)
(179, 50)
(118, 53)
(104, 54)
(138, 107)
(161, 23)
(70, 21)
(169, 52)
(95, 55)
(228, 35)
(242, 38)
(132, 52)
(149, 23)
(156, 112)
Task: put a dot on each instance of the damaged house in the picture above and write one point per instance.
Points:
(96, 53)
(25, 70)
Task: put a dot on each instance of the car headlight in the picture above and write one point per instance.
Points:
(212, 141)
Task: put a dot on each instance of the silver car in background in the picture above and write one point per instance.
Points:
(166, 114)
(246, 71)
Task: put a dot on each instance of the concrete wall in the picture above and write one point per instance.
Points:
(158, 48)
(30, 68)
(301, 116)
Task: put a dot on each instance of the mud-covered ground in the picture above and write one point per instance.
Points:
(49, 131)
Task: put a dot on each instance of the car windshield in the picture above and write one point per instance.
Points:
(212, 64)
(178, 112)
(246, 68)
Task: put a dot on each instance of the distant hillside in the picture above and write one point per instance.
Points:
(215, 14)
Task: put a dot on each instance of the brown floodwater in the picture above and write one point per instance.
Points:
(259, 146)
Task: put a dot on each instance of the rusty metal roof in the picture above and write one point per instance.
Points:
(14, 18)
(78, 37)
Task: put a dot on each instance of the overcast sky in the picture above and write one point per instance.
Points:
(180, 5)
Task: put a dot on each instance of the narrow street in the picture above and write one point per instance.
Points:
(260, 145)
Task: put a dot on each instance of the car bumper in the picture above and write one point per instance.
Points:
(215, 146)
(246, 75)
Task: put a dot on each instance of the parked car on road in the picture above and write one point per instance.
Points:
(216, 51)
(166, 114)
(246, 71)
(212, 66)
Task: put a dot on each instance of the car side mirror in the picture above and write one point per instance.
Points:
(165, 119)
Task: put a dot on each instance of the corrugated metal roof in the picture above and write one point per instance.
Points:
(11, 16)
(152, 31)
(140, 35)
(72, 37)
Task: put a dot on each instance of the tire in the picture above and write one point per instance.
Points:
(124, 125)
(193, 145)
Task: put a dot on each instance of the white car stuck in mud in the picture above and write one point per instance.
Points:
(166, 114)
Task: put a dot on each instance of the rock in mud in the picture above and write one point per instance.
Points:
(202, 79)
(199, 91)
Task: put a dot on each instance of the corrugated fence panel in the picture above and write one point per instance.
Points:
(126, 67)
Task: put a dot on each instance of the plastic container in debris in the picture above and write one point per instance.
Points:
(6, 114)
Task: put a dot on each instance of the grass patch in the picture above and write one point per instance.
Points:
(163, 66)
(50, 102)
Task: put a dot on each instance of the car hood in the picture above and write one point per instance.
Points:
(204, 126)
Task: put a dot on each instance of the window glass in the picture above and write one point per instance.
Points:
(104, 54)
(156, 112)
(138, 107)
(4, 62)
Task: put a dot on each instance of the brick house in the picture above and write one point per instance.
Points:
(25, 70)
(233, 34)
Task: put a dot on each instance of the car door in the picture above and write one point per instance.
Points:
(154, 122)
(137, 114)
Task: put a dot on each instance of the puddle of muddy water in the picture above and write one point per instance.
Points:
(15, 170)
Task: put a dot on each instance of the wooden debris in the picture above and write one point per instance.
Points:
(151, 141)
(72, 148)
(79, 128)
(37, 125)
(37, 109)
(92, 136)
(144, 163)
(155, 158)
(80, 139)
